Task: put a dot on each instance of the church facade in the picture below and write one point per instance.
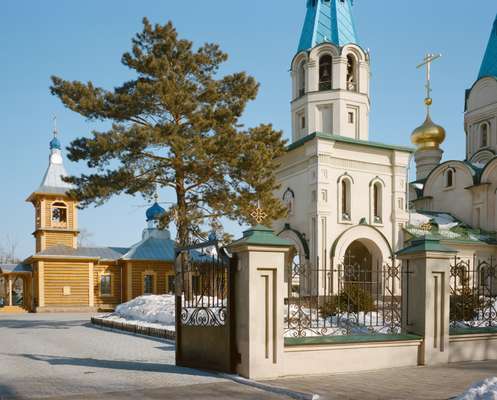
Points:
(456, 200)
(349, 199)
(63, 276)
(346, 195)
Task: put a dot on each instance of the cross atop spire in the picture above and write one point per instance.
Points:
(55, 142)
(427, 62)
(489, 64)
(328, 21)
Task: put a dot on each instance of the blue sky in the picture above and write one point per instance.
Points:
(85, 41)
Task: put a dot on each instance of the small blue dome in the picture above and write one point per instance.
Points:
(155, 212)
(55, 144)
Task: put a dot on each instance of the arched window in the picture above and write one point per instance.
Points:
(301, 79)
(59, 215)
(377, 203)
(351, 73)
(484, 134)
(325, 75)
(449, 178)
(345, 200)
(289, 200)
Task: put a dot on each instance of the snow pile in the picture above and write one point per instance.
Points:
(149, 311)
(485, 390)
(444, 221)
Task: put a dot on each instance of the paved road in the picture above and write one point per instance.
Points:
(59, 355)
(435, 383)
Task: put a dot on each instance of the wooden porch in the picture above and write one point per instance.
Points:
(16, 289)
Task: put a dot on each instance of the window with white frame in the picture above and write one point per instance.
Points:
(449, 178)
(377, 203)
(345, 199)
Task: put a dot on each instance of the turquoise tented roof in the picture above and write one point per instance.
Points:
(489, 64)
(328, 21)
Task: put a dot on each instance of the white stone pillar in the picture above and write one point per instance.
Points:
(426, 297)
(259, 302)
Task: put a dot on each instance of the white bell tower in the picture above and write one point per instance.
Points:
(330, 75)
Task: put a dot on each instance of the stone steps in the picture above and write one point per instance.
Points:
(13, 310)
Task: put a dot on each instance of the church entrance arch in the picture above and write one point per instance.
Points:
(358, 257)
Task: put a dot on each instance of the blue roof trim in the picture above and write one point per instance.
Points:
(328, 21)
(14, 268)
(489, 64)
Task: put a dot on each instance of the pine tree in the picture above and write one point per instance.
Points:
(176, 126)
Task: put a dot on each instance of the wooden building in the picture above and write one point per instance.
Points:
(61, 276)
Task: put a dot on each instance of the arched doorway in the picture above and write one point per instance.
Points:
(360, 269)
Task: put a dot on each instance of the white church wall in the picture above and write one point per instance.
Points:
(450, 199)
(316, 182)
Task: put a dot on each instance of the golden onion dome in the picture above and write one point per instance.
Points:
(429, 135)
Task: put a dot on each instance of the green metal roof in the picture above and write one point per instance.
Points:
(424, 245)
(343, 139)
(448, 228)
(262, 236)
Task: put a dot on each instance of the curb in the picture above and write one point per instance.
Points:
(269, 388)
(135, 329)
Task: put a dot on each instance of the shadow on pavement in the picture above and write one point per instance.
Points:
(39, 324)
(112, 364)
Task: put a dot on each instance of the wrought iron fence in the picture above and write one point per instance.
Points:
(204, 294)
(473, 293)
(345, 300)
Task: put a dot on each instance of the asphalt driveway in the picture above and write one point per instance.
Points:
(59, 355)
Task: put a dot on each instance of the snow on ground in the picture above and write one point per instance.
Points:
(485, 390)
(361, 323)
(150, 311)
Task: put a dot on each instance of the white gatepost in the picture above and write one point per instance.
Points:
(426, 297)
(259, 302)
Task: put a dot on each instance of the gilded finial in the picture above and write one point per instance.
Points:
(429, 135)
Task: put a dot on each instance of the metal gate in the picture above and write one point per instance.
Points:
(205, 325)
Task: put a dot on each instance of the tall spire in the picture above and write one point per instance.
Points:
(52, 180)
(328, 21)
(489, 64)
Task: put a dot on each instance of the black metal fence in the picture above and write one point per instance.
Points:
(204, 297)
(346, 300)
(473, 293)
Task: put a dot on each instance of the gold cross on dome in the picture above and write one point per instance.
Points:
(427, 61)
(258, 214)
